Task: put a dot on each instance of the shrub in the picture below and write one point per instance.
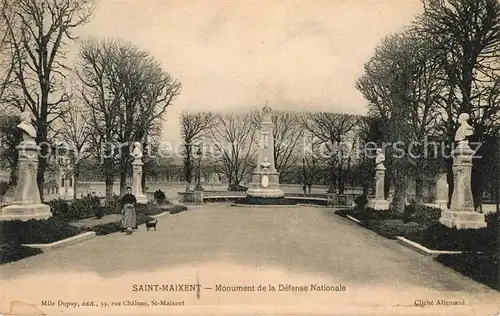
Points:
(36, 231)
(77, 209)
(424, 215)
(267, 201)
(482, 268)
(391, 228)
(100, 211)
(177, 209)
(60, 208)
(14, 251)
(159, 196)
(114, 227)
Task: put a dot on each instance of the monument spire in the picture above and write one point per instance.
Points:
(265, 178)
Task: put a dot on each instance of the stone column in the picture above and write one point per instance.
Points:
(26, 204)
(265, 178)
(379, 203)
(461, 213)
(137, 181)
(441, 191)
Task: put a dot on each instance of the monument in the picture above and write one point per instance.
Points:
(441, 191)
(137, 174)
(265, 178)
(26, 204)
(379, 203)
(461, 213)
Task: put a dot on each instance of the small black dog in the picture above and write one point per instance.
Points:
(151, 224)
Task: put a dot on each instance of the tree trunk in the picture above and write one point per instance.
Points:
(449, 178)
(109, 177)
(419, 189)
(400, 186)
(123, 179)
(76, 177)
(143, 182)
(109, 186)
(341, 183)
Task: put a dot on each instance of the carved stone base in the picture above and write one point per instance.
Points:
(142, 199)
(265, 193)
(375, 204)
(443, 204)
(198, 197)
(265, 184)
(462, 219)
(25, 212)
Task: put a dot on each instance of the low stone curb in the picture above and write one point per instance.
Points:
(424, 250)
(313, 205)
(263, 206)
(166, 213)
(64, 242)
(353, 219)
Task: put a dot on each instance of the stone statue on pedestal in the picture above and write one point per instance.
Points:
(27, 128)
(462, 214)
(26, 204)
(137, 174)
(265, 178)
(464, 130)
(379, 159)
(379, 203)
(137, 152)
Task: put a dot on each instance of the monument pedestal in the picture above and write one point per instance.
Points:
(26, 204)
(461, 213)
(137, 182)
(265, 184)
(379, 203)
(198, 196)
(462, 219)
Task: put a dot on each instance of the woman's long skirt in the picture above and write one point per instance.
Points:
(128, 216)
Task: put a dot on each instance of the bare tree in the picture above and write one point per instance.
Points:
(193, 127)
(37, 34)
(233, 138)
(127, 94)
(75, 135)
(466, 40)
(401, 82)
(335, 131)
(7, 61)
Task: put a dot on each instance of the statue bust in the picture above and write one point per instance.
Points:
(29, 131)
(265, 164)
(464, 129)
(137, 152)
(380, 158)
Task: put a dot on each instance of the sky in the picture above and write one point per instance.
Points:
(236, 56)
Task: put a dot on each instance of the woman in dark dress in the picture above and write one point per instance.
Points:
(127, 204)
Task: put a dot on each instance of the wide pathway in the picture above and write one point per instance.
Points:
(233, 246)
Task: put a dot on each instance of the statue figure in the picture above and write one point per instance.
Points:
(137, 153)
(464, 130)
(380, 158)
(29, 131)
(265, 164)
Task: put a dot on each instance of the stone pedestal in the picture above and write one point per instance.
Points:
(461, 213)
(379, 202)
(265, 178)
(441, 191)
(137, 182)
(198, 197)
(26, 203)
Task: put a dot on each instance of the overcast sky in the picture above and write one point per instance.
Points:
(237, 55)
